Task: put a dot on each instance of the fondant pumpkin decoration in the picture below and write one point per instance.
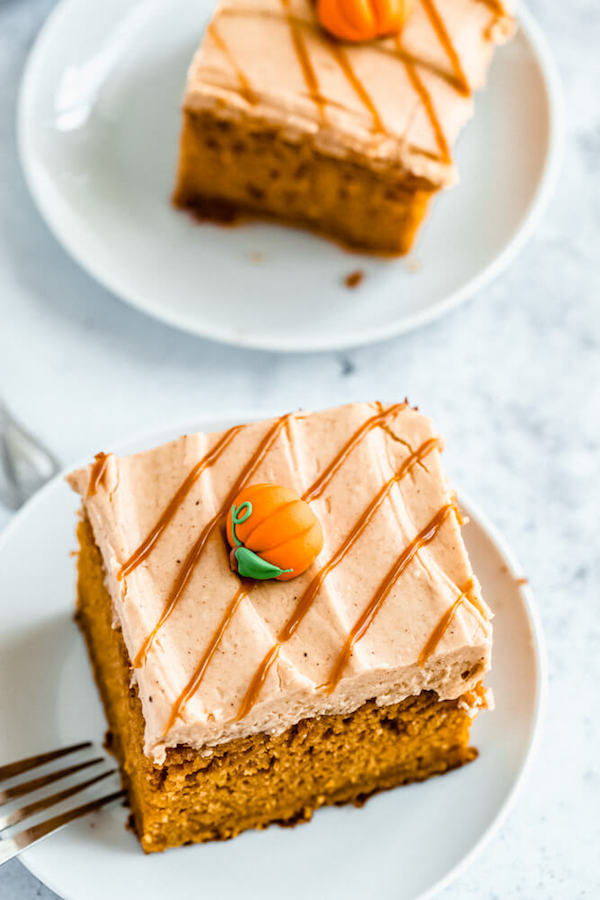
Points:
(272, 533)
(363, 20)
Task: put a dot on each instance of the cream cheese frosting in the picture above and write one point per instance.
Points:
(400, 101)
(431, 630)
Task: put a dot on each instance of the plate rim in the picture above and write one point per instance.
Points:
(547, 180)
(538, 643)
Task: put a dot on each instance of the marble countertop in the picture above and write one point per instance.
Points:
(512, 379)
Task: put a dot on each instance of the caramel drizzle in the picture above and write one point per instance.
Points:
(444, 624)
(318, 487)
(308, 71)
(194, 682)
(245, 88)
(496, 6)
(351, 538)
(97, 473)
(316, 29)
(446, 42)
(147, 545)
(359, 88)
(400, 53)
(468, 595)
(193, 557)
(425, 97)
(362, 624)
(314, 491)
(258, 679)
(311, 592)
(458, 79)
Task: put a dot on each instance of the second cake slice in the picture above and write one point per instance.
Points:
(281, 119)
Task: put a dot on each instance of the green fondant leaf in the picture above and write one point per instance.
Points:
(250, 565)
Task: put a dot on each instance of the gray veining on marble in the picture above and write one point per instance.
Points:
(512, 379)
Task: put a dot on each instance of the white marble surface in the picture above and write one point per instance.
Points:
(512, 379)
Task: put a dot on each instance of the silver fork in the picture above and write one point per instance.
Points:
(25, 464)
(12, 845)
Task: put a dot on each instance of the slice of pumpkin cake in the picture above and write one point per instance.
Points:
(340, 115)
(279, 616)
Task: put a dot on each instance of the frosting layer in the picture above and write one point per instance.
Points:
(389, 608)
(401, 101)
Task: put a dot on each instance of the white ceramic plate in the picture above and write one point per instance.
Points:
(99, 126)
(403, 844)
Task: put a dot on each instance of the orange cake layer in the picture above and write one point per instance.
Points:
(254, 781)
(228, 167)
(282, 120)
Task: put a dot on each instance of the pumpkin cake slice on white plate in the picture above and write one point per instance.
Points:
(338, 115)
(279, 616)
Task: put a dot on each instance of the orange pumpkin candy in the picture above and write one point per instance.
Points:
(277, 526)
(363, 20)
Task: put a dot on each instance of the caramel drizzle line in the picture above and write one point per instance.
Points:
(315, 490)
(351, 538)
(98, 472)
(360, 90)
(317, 487)
(401, 53)
(147, 545)
(358, 631)
(309, 595)
(211, 526)
(304, 59)
(446, 42)
(444, 624)
(258, 679)
(405, 57)
(246, 90)
(458, 80)
(427, 102)
(496, 6)
(194, 682)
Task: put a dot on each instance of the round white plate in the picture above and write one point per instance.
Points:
(99, 126)
(403, 844)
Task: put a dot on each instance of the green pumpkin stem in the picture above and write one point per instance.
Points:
(237, 519)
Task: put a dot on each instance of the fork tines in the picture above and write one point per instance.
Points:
(12, 845)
